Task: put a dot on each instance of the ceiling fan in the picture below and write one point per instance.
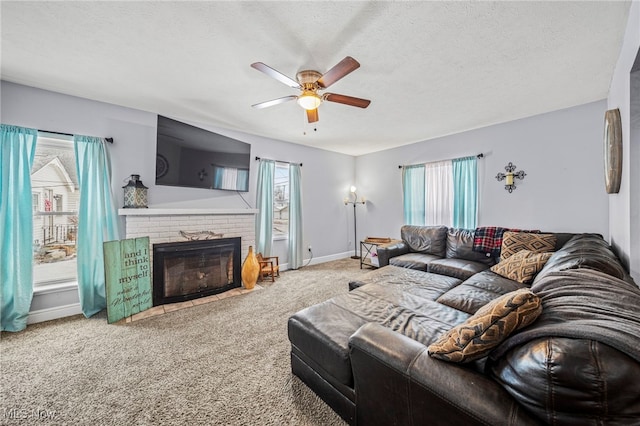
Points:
(310, 82)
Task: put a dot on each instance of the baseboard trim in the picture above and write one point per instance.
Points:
(54, 313)
(318, 260)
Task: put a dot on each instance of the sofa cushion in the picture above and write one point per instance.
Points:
(458, 268)
(587, 241)
(563, 237)
(460, 246)
(522, 266)
(478, 335)
(477, 291)
(417, 261)
(513, 242)
(425, 239)
(584, 251)
(424, 284)
(595, 261)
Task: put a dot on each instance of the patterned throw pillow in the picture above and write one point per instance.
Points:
(522, 266)
(487, 328)
(513, 242)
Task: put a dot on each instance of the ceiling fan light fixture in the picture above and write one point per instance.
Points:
(309, 100)
(309, 82)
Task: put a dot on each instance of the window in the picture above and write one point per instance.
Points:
(441, 193)
(35, 202)
(57, 203)
(56, 197)
(281, 201)
(230, 178)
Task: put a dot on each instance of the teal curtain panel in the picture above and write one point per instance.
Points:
(295, 217)
(97, 220)
(264, 204)
(16, 216)
(465, 192)
(413, 194)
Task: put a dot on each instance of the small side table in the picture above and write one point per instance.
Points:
(368, 254)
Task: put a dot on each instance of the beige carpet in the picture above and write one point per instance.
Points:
(221, 363)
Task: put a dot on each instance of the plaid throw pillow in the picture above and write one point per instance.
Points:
(487, 328)
(513, 242)
(522, 266)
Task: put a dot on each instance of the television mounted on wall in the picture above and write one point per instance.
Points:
(193, 157)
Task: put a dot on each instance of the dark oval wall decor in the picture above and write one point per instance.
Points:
(612, 151)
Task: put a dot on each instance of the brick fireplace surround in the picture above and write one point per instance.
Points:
(163, 225)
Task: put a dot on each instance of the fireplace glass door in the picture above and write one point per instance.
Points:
(188, 270)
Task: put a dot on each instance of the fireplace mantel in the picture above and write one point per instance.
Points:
(165, 225)
(153, 211)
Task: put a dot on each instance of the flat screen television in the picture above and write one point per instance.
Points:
(189, 156)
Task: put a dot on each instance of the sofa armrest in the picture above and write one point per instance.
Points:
(396, 382)
(387, 251)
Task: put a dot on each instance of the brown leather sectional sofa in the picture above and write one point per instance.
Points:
(365, 353)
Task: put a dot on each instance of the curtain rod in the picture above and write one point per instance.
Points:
(110, 140)
(278, 161)
(481, 155)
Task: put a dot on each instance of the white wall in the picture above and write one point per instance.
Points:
(561, 153)
(624, 216)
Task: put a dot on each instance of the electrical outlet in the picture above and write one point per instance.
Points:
(309, 247)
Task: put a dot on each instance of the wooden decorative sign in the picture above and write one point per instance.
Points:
(127, 277)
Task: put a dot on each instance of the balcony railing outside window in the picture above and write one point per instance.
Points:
(54, 247)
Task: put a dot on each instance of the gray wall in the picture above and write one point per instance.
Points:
(634, 177)
(326, 175)
(624, 207)
(561, 152)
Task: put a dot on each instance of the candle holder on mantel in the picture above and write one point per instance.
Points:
(135, 193)
(509, 177)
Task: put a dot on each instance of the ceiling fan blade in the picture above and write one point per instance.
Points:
(274, 102)
(275, 74)
(343, 68)
(347, 100)
(312, 115)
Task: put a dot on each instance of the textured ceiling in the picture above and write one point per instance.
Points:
(429, 68)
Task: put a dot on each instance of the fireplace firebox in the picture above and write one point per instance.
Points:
(192, 269)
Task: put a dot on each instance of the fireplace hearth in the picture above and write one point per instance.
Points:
(192, 269)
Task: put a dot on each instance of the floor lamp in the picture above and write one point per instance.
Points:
(355, 202)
